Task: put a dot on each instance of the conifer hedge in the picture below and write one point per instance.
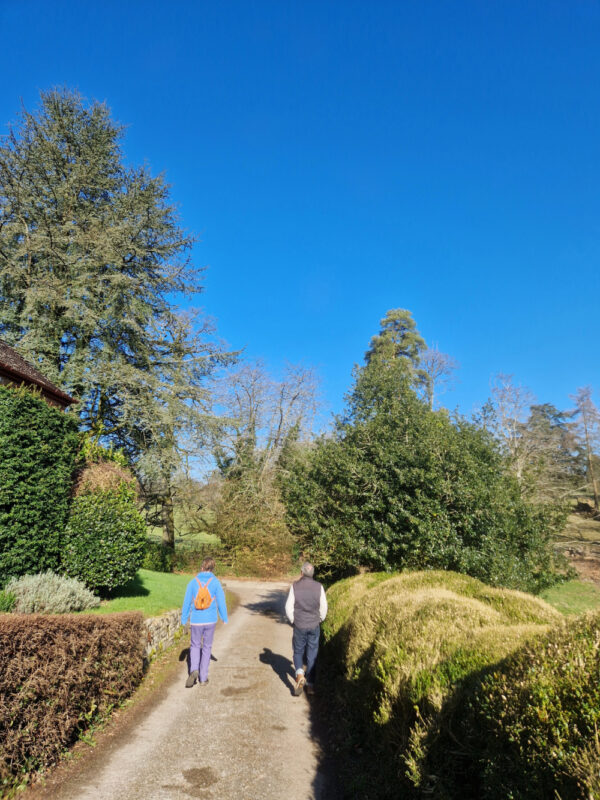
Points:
(38, 447)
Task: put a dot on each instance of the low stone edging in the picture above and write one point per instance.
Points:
(162, 632)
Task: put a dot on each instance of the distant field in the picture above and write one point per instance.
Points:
(184, 537)
(581, 529)
(573, 597)
(184, 540)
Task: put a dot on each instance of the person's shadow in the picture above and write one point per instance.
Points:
(280, 665)
(184, 655)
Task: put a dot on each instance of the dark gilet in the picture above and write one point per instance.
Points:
(307, 597)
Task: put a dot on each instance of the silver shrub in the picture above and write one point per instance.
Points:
(47, 593)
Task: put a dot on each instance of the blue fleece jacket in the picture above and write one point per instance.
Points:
(207, 615)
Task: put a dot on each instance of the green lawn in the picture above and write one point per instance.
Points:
(152, 593)
(573, 597)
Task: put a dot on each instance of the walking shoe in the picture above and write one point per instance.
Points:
(191, 679)
(203, 683)
(299, 685)
(310, 688)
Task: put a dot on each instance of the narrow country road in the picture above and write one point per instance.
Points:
(244, 735)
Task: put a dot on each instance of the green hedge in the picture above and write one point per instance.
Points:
(38, 447)
(401, 652)
(530, 730)
(104, 542)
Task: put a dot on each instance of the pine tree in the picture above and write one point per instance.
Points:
(92, 255)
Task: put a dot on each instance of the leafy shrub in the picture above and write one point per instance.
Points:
(7, 601)
(104, 541)
(189, 557)
(158, 557)
(399, 654)
(250, 523)
(47, 593)
(399, 486)
(58, 675)
(530, 728)
(38, 444)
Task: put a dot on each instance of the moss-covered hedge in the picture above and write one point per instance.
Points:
(38, 447)
(401, 653)
(57, 675)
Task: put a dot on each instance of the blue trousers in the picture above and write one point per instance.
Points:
(306, 643)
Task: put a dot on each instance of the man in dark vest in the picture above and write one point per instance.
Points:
(306, 608)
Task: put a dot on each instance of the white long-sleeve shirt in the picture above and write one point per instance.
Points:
(291, 600)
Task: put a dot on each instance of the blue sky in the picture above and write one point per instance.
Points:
(338, 159)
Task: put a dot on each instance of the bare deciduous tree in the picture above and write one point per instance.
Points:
(589, 434)
(438, 372)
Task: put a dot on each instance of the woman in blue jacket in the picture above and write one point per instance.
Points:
(204, 603)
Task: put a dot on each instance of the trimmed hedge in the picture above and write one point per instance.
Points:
(531, 728)
(38, 446)
(57, 675)
(158, 557)
(400, 653)
(105, 539)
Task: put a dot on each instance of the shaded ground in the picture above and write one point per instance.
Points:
(243, 736)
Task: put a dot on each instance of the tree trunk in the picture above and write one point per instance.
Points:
(590, 460)
(169, 521)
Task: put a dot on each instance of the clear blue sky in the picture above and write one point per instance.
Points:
(339, 159)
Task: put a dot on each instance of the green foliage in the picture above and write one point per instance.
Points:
(399, 656)
(251, 525)
(7, 601)
(47, 593)
(38, 446)
(92, 260)
(400, 486)
(405, 487)
(530, 728)
(158, 557)
(92, 452)
(104, 541)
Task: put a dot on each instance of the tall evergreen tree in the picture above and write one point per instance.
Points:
(92, 255)
(399, 486)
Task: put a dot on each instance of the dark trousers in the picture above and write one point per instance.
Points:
(306, 643)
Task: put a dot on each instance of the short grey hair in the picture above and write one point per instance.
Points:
(307, 569)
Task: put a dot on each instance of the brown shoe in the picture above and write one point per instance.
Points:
(299, 685)
(310, 689)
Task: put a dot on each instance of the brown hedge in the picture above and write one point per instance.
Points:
(58, 674)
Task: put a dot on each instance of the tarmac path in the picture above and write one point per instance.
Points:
(244, 735)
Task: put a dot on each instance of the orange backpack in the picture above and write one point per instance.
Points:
(203, 598)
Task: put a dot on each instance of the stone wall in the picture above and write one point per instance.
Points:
(161, 632)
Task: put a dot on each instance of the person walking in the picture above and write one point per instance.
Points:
(203, 604)
(306, 608)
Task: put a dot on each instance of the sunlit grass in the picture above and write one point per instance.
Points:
(152, 593)
(581, 529)
(573, 597)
